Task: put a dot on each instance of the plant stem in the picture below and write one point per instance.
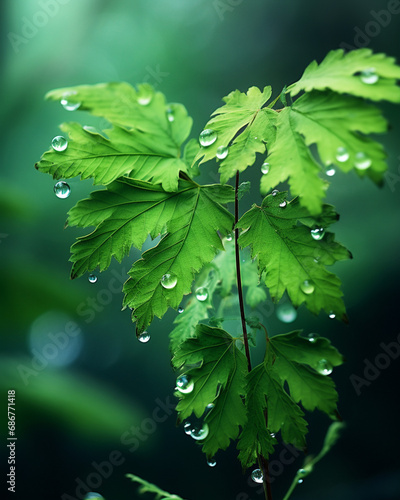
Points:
(239, 276)
(263, 462)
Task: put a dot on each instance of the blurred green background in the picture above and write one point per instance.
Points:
(76, 408)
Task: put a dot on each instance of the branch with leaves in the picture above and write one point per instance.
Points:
(148, 168)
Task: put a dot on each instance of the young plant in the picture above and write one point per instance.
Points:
(220, 260)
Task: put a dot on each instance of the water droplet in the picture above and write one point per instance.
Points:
(369, 76)
(257, 476)
(342, 154)
(62, 189)
(286, 313)
(312, 337)
(332, 315)
(275, 192)
(211, 462)
(199, 432)
(265, 168)
(170, 115)
(362, 161)
(317, 233)
(184, 384)
(302, 472)
(222, 152)
(229, 237)
(324, 367)
(201, 294)
(207, 137)
(69, 106)
(330, 171)
(145, 97)
(93, 496)
(180, 310)
(209, 407)
(187, 427)
(283, 204)
(143, 337)
(169, 280)
(307, 287)
(59, 143)
(272, 434)
(300, 481)
(92, 278)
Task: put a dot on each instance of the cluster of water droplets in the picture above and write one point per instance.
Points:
(169, 280)
(62, 189)
(361, 160)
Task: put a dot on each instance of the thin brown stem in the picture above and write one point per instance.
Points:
(239, 277)
(263, 462)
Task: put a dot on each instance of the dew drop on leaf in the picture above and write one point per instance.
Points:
(332, 315)
(92, 278)
(187, 427)
(324, 367)
(180, 310)
(369, 76)
(312, 337)
(272, 434)
(93, 496)
(170, 115)
(283, 204)
(62, 189)
(307, 287)
(342, 154)
(362, 161)
(207, 137)
(265, 168)
(59, 143)
(69, 106)
(201, 294)
(209, 407)
(211, 462)
(257, 476)
(286, 313)
(275, 192)
(229, 237)
(199, 432)
(169, 280)
(330, 171)
(222, 152)
(317, 233)
(143, 337)
(300, 481)
(184, 384)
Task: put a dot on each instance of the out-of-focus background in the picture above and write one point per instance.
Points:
(93, 403)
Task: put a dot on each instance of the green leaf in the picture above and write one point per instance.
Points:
(191, 240)
(297, 361)
(125, 152)
(290, 159)
(219, 379)
(195, 310)
(334, 122)
(342, 73)
(125, 215)
(241, 111)
(266, 398)
(289, 256)
(121, 104)
(146, 487)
